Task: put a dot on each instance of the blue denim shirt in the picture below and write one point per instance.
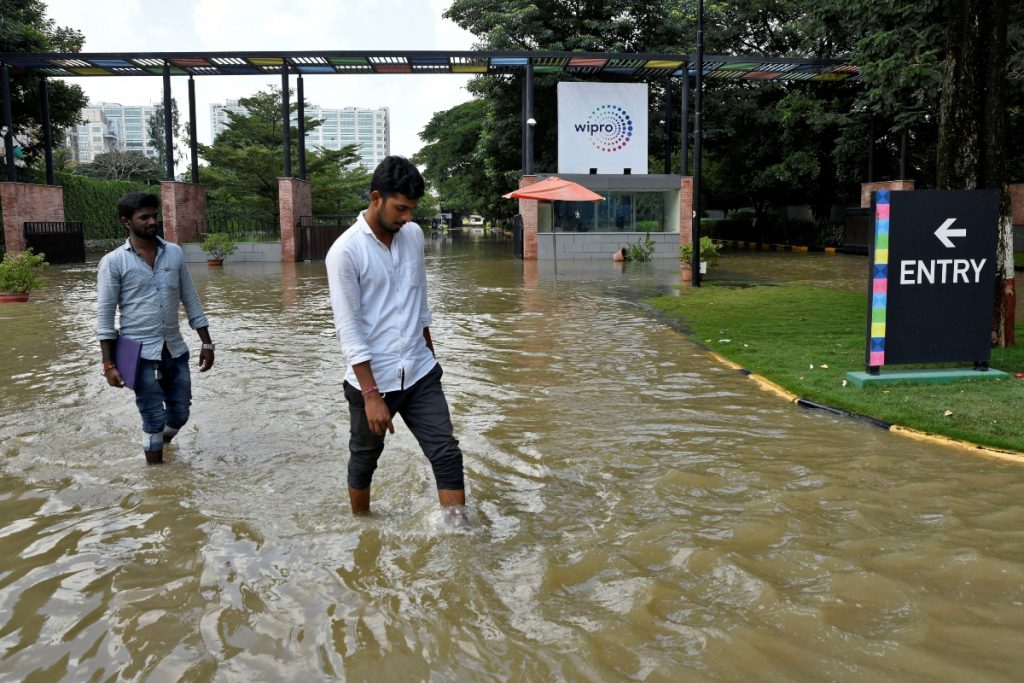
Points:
(148, 298)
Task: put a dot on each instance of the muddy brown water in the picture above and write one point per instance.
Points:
(639, 511)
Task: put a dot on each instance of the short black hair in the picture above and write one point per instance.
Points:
(133, 201)
(397, 175)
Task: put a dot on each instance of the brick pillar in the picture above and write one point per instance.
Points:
(686, 210)
(295, 199)
(1017, 204)
(183, 209)
(867, 188)
(528, 210)
(21, 202)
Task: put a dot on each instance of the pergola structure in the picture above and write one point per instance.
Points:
(632, 66)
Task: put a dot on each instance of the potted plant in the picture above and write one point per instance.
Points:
(709, 252)
(218, 245)
(20, 274)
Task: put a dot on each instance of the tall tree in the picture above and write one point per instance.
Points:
(950, 72)
(24, 27)
(449, 156)
(121, 165)
(157, 135)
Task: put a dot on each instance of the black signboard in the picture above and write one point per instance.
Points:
(933, 268)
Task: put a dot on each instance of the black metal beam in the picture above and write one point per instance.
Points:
(698, 135)
(193, 146)
(529, 117)
(44, 111)
(168, 124)
(302, 127)
(684, 124)
(5, 78)
(668, 125)
(287, 122)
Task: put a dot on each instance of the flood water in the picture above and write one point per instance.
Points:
(638, 511)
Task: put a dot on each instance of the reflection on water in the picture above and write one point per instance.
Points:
(639, 511)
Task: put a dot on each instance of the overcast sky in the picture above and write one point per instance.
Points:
(286, 25)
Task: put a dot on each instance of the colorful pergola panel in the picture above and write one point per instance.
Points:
(635, 66)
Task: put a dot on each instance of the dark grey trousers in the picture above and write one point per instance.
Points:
(424, 409)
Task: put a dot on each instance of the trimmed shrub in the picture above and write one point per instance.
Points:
(94, 202)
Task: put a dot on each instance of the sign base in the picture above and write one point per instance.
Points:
(925, 376)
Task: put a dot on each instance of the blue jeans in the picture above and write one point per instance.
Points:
(163, 392)
(425, 411)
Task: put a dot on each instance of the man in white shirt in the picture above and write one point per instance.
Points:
(378, 284)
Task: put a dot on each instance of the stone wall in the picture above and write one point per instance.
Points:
(245, 252)
(183, 210)
(295, 197)
(528, 210)
(27, 202)
(601, 246)
(867, 188)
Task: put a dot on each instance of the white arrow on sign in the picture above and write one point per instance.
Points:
(944, 233)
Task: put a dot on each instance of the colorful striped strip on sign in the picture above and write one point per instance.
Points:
(880, 279)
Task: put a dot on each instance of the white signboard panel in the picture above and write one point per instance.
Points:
(602, 126)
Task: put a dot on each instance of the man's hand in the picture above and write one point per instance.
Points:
(114, 378)
(377, 414)
(205, 360)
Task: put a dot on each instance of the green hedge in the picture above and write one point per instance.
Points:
(94, 202)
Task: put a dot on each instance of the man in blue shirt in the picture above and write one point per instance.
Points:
(378, 287)
(148, 279)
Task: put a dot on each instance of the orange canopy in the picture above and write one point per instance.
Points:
(555, 189)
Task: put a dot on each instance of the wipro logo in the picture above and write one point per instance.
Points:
(608, 126)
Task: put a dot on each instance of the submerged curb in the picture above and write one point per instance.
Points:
(762, 246)
(771, 387)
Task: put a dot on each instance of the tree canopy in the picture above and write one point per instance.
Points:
(766, 143)
(24, 27)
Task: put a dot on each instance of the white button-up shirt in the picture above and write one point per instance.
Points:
(379, 298)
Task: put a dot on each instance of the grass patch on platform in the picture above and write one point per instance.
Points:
(806, 339)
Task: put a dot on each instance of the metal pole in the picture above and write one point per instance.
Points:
(522, 137)
(286, 115)
(168, 124)
(698, 135)
(684, 126)
(668, 125)
(44, 106)
(302, 128)
(529, 115)
(193, 145)
(5, 77)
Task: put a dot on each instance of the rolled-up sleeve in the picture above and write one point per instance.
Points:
(425, 315)
(190, 299)
(343, 282)
(108, 293)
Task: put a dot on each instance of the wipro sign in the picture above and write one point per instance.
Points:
(609, 128)
(602, 126)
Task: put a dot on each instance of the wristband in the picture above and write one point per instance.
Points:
(209, 347)
(367, 392)
(107, 365)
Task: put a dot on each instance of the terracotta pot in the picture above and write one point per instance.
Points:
(686, 272)
(7, 297)
(215, 262)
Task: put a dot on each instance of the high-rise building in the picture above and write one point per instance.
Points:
(368, 129)
(94, 135)
(110, 126)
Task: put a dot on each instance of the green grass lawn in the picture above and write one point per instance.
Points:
(807, 338)
(1018, 259)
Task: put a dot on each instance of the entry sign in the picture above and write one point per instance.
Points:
(933, 265)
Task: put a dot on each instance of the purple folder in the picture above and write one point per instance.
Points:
(126, 358)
